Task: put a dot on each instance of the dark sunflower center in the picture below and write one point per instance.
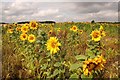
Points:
(31, 38)
(53, 45)
(95, 34)
(91, 66)
(24, 36)
(74, 28)
(33, 25)
(24, 29)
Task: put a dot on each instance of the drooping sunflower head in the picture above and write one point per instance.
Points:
(95, 64)
(99, 61)
(74, 28)
(33, 25)
(31, 38)
(88, 66)
(25, 28)
(53, 45)
(23, 36)
(96, 36)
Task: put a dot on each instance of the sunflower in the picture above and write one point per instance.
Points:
(102, 32)
(88, 66)
(31, 38)
(74, 28)
(93, 65)
(99, 61)
(81, 31)
(33, 25)
(18, 29)
(53, 45)
(25, 28)
(96, 36)
(23, 36)
(50, 32)
(101, 28)
(10, 31)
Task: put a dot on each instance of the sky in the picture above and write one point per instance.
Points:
(59, 11)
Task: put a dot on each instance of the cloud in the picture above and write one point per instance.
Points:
(59, 11)
(47, 12)
(61, 0)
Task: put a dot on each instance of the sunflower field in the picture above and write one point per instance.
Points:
(68, 50)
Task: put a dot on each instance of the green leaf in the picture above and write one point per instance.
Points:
(74, 66)
(81, 57)
(62, 71)
(84, 77)
(99, 52)
(54, 74)
(44, 66)
(46, 73)
(74, 76)
(90, 53)
(57, 64)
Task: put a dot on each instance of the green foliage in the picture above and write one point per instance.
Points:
(32, 60)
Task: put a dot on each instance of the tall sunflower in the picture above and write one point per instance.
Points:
(31, 38)
(53, 45)
(25, 28)
(23, 36)
(96, 36)
(33, 25)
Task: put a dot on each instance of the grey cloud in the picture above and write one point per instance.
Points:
(67, 11)
(94, 7)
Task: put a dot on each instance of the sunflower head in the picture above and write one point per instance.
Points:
(103, 33)
(23, 36)
(96, 36)
(80, 31)
(18, 29)
(33, 25)
(31, 38)
(10, 31)
(53, 45)
(100, 61)
(25, 28)
(101, 28)
(96, 63)
(50, 32)
(88, 66)
(74, 28)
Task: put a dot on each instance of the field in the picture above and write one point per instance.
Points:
(66, 50)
